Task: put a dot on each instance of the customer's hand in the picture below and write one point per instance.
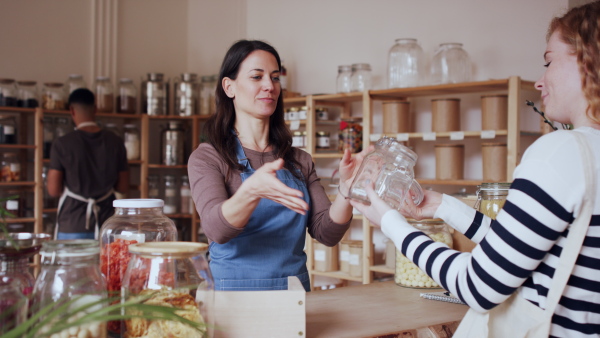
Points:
(349, 166)
(426, 209)
(376, 210)
(265, 184)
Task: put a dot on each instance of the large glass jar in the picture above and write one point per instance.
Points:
(105, 96)
(185, 194)
(134, 221)
(171, 194)
(174, 274)
(8, 93)
(131, 137)
(53, 96)
(450, 64)
(13, 304)
(207, 94)
(361, 77)
(127, 97)
(153, 187)
(344, 79)
(408, 273)
(187, 95)
(405, 64)
(75, 81)
(70, 273)
(390, 167)
(27, 94)
(155, 94)
(491, 198)
(14, 262)
(173, 143)
(10, 168)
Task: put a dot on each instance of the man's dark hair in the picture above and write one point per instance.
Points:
(82, 96)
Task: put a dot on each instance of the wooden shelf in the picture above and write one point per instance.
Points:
(170, 117)
(17, 146)
(323, 100)
(164, 166)
(120, 116)
(466, 134)
(18, 184)
(327, 155)
(20, 220)
(337, 274)
(135, 162)
(50, 210)
(382, 269)
(17, 110)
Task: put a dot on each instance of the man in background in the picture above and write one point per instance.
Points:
(87, 166)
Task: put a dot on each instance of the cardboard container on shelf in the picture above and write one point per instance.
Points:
(326, 258)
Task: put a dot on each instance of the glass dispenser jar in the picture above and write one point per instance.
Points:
(344, 79)
(8, 93)
(173, 143)
(187, 95)
(408, 273)
(491, 198)
(171, 194)
(405, 64)
(155, 94)
(27, 94)
(134, 221)
(127, 97)
(390, 167)
(361, 77)
(70, 273)
(75, 81)
(173, 274)
(105, 96)
(450, 64)
(131, 137)
(14, 262)
(53, 96)
(207, 94)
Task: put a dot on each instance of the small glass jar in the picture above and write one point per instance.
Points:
(323, 140)
(185, 193)
(70, 273)
(131, 137)
(8, 129)
(297, 140)
(15, 263)
(361, 77)
(11, 168)
(302, 113)
(173, 143)
(187, 95)
(134, 221)
(405, 64)
(155, 94)
(407, 273)
(350, 137)
(127, 97)
(293, 114)
(450, 64)
(105, 96)
(171, 194)
(27, 94)
(491, 198)
(322, 114)
(53, 96)
(75, 81)
(62, 127)
(344, 79)
(8, 93)
(172, 274)
(153, 187)
(207, 92)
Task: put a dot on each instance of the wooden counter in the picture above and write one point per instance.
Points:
(375, 309)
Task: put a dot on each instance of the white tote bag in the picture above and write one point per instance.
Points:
(517, 317)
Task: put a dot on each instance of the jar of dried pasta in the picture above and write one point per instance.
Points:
(491, 198)
(407, 273)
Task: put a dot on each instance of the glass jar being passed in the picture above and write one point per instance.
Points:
(70, 274)
(134, 221)
(390, 168)
(491, 198)
(408, 273)
(174, 274)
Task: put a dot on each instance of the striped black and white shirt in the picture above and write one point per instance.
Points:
(522, 246)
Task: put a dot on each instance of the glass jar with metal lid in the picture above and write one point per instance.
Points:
(302, 112)
(297, 139)
(408, 273)
(293, 114)
(187, 95)
(8, 93)
(322, 113)
(323, 141)
(172, 274)
(344, 79)
(27, 94)
(155, 94)
(361, 77)
(127, 97)
(53, 96)
(173, 143)
(70, 273)
(10, 168)
(131, 137)
(491, 198)
(75, 81)
(105, 96)
(134, 221)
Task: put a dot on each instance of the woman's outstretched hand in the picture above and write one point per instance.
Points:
(426, 209)
(376, 210)
(349, 167)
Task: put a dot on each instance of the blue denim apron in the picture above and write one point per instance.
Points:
(270, 248)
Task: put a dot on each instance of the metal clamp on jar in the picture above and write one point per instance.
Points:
(491, 198)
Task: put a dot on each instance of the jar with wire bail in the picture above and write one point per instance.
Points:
(134, 221)
(491, 197)
(174, 274)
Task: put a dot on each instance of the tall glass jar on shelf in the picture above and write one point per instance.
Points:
(207, 94)
(450, 64)
(8, 93)
(105, 97)
(361, 77)
(27, 94)
(187, 95)
(127, 97)
(75, 81)
(53, 96)
(171, 194)
(344, 79)
(131, 137)
(155, 94)
(153, 187)
(405, 64)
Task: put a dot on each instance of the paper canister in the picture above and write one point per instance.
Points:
(325, 257)
(493, 156)
(396, 117)
(449, 161)
(445, 115)
(390, 254)
(494, 112)
(345, 256)
(355, 258)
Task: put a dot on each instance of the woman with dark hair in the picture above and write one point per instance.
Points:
(536, 269)
(256, 194)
